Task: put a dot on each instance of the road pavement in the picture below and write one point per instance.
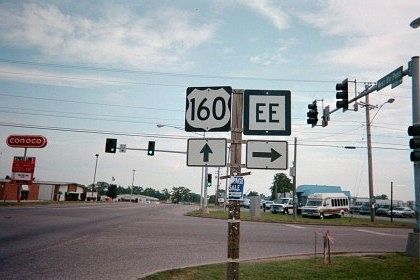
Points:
(130, 240)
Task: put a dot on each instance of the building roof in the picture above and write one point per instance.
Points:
(310, 189)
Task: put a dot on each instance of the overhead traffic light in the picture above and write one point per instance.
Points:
(414, 130)
(208, 180)
(343, 94)
(111, 145)
(325, 116)
(151, 148)
(312, 114)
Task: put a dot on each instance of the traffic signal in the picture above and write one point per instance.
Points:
(343, 94)
(111, 145)
(208, 180)
(312, 114)
(151, 148)
(414, 130)
(325, 116)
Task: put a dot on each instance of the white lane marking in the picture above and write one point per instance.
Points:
(293, 226)
(373, 232)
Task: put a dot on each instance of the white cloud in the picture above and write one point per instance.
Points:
(278, 56)
(157, 39)
(375, 34)
(269, 10)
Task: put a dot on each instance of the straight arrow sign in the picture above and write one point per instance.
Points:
(206, 150)
(273, 154)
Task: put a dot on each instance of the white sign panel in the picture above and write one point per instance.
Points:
(267, 112)
(206, 152)
(123, 148)
(262, 154)
(22, 176)
(208, 109)
(236, 188)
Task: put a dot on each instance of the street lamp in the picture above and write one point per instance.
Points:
(415, 23)
(94, 174)
(132, 186)
(204, 171)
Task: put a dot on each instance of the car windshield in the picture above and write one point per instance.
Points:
(314, 203)
(283, 201)
(399, 209)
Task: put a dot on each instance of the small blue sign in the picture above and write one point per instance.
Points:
(236, 188)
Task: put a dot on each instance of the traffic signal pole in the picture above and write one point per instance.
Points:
(413, 243)
(370, 167)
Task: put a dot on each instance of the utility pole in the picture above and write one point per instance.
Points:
(132, 186)
(369, 150)
(295, 206)
(392, 196)
(234, 214)
(217, 188)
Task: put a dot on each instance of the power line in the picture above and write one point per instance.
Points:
(90, 103)
(90, 131)
(156, 73)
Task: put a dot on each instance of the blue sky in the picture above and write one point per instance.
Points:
(124, 66)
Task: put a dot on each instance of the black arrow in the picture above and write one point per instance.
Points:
(206, 151)
(273, 154)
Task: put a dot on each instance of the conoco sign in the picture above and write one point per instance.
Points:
(26, 141)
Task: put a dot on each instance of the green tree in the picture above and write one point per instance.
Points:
(102, 187)
(112, 191)
(382, 196)
(180, 194)
(252, 193)
(281, 184)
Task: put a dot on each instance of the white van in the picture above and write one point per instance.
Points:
(326, 204)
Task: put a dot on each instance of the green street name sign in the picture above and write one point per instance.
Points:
(395, 77)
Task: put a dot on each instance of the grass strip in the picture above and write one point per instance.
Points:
(268, 217)
(389, 266)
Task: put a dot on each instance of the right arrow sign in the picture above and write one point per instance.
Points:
(262, 154)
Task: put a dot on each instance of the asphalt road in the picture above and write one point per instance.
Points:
(128, 241)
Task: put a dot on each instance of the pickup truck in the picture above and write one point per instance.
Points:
(283, 205)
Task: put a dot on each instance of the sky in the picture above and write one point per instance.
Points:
(80, 72)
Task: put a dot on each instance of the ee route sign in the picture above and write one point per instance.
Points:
(267, 112)
(208, 109)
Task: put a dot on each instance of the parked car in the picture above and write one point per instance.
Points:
(283, 205)
(383, 210)
(266, 205)
(402, 212)
(246, 202)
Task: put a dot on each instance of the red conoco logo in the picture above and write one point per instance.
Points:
(26, 141)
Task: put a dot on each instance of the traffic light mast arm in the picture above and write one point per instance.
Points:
(161, 151)
(366, 92)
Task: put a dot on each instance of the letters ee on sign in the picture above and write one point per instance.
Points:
(236, 188)
(267, 112)
(208, 109)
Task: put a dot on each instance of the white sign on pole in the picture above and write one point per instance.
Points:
(261, 154)
(236, 188)
(267, 112)
(208, 109)
(22, 176)
(206, 152)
